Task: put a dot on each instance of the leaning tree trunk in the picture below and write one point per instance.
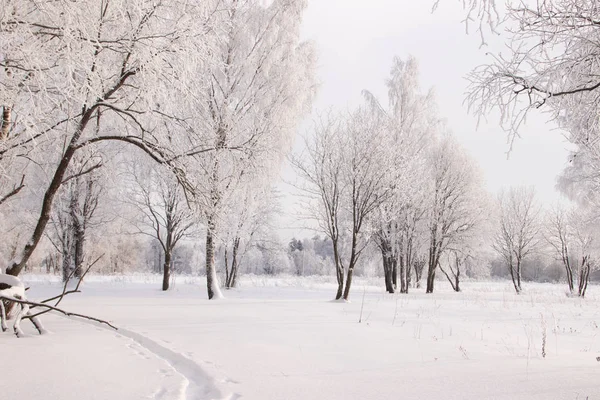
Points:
(584, 276)
(514, 278)
(457, 279)
(348, 282)
(351, 265)
(570, 280)
(17, 266)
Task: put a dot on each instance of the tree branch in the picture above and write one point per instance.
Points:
(52, 308)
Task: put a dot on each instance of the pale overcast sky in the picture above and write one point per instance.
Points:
(356, 41)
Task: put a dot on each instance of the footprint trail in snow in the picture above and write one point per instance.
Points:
(198, 385)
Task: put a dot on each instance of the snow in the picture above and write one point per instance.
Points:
(12, 281)
(283, 338)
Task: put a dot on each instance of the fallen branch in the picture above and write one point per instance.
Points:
(52, 308)
(65, 291)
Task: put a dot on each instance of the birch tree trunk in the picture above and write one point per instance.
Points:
(5, 125)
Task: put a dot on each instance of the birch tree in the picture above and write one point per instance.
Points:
(249, 220)
(320, 167)
(410, 123)
(572, 237)
(260, 82)
(518, 233)
(348, 175)
(455, 205)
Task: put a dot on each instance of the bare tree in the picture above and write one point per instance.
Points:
(347, 174)
(455, 207)
(559, 236)
(519, 229)
(455, 264)
(258, 85)
(165, 215)
(250, 218)
(365, 173)
(572, 236)
(320, 166)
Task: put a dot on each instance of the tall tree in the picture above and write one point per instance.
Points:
(320, 166)
(347, 175)
(518, 233)
(76, 74)
(455, 202)
(572, 237)
(410, 123)
(260, 82)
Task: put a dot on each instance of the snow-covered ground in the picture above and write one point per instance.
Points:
(283, 338)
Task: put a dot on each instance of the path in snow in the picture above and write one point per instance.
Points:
(197, 384)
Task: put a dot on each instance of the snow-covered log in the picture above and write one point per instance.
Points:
(12, 287)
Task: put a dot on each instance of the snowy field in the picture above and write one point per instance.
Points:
(284, 339)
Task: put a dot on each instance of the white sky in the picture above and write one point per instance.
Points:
(356, 41)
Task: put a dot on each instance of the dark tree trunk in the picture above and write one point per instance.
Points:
(226, 259)
(432, 262)
(167, 270)
(514, 278)
(518, 273)
(570, 280)
(584, 276)
(231, 274)
(348, 283)
(431, 271)
(78, 234)
(339, 270)
(352, 263)
(457, 281)
(388, 268)
(394, 272)
(430, 280)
